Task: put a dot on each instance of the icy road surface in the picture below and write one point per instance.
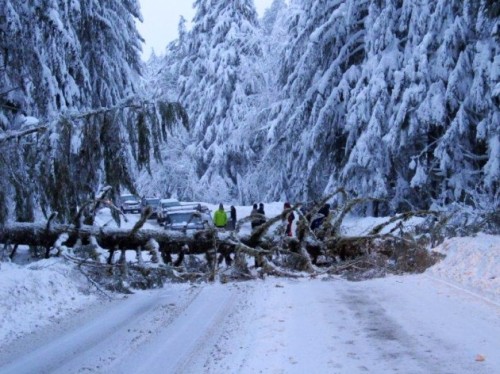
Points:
(411, 324)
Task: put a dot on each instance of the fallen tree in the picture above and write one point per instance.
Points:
(391, 247)
(46, 235)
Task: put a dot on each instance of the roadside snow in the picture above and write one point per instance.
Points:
(471, 262)
(39, 294)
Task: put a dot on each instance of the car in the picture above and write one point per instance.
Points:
(188, 217)
(130, 204)
(163, 206)
(152, 202)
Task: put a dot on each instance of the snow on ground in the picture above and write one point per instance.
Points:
(269, 331)
(408, 324)
(404, 324)
(39, 294)
(472, 263)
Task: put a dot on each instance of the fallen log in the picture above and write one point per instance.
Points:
(46, 235)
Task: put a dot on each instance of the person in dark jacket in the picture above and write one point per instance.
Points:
(323, 213)
(232, 222)
(254, 215)
(262, 213)
(289, 218)
(259, 220)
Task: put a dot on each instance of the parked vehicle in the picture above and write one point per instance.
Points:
(152, 202)
(188, 217)
(130, 204)
(162, 208)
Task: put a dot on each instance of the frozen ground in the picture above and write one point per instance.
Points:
(443, 321)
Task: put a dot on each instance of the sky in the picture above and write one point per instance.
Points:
(161, 19)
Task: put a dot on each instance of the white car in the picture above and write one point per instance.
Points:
(130, 204)
(188, 217)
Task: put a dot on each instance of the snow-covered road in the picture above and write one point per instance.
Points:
(407, 324)
(410, 324)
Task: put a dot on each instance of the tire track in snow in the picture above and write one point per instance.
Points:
(108, 332)
(174, 347)
(461, 288)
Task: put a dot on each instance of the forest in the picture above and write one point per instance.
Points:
(395, 103)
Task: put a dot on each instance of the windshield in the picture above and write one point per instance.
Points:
(128, 198)
(182, 218)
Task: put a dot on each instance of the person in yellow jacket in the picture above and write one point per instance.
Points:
(220, 217)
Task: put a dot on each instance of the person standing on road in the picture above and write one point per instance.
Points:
(320, 218)
(220, 217)
(289, 218)
(233, 217)
(262, 218)
(254, 214)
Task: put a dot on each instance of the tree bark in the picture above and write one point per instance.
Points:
(41, 234)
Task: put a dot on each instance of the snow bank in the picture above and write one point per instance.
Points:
(471, 262)
(37, 295)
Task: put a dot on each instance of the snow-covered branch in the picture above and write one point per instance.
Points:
(18, 134)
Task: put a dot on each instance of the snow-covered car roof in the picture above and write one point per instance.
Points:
(169, 201)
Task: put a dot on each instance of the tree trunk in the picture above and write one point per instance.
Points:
(40, 234)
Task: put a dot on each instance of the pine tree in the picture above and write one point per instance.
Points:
(74, 66)
(390, 99)
(325, 40)
(219, 79)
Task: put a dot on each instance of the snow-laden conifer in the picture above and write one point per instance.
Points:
(391, 99)
(219, 81)
(74, 66)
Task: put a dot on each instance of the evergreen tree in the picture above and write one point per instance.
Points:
(390, 99)
(219, 80)
(394, 99)
(110, 49)
(325, 40)
(74, 66)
